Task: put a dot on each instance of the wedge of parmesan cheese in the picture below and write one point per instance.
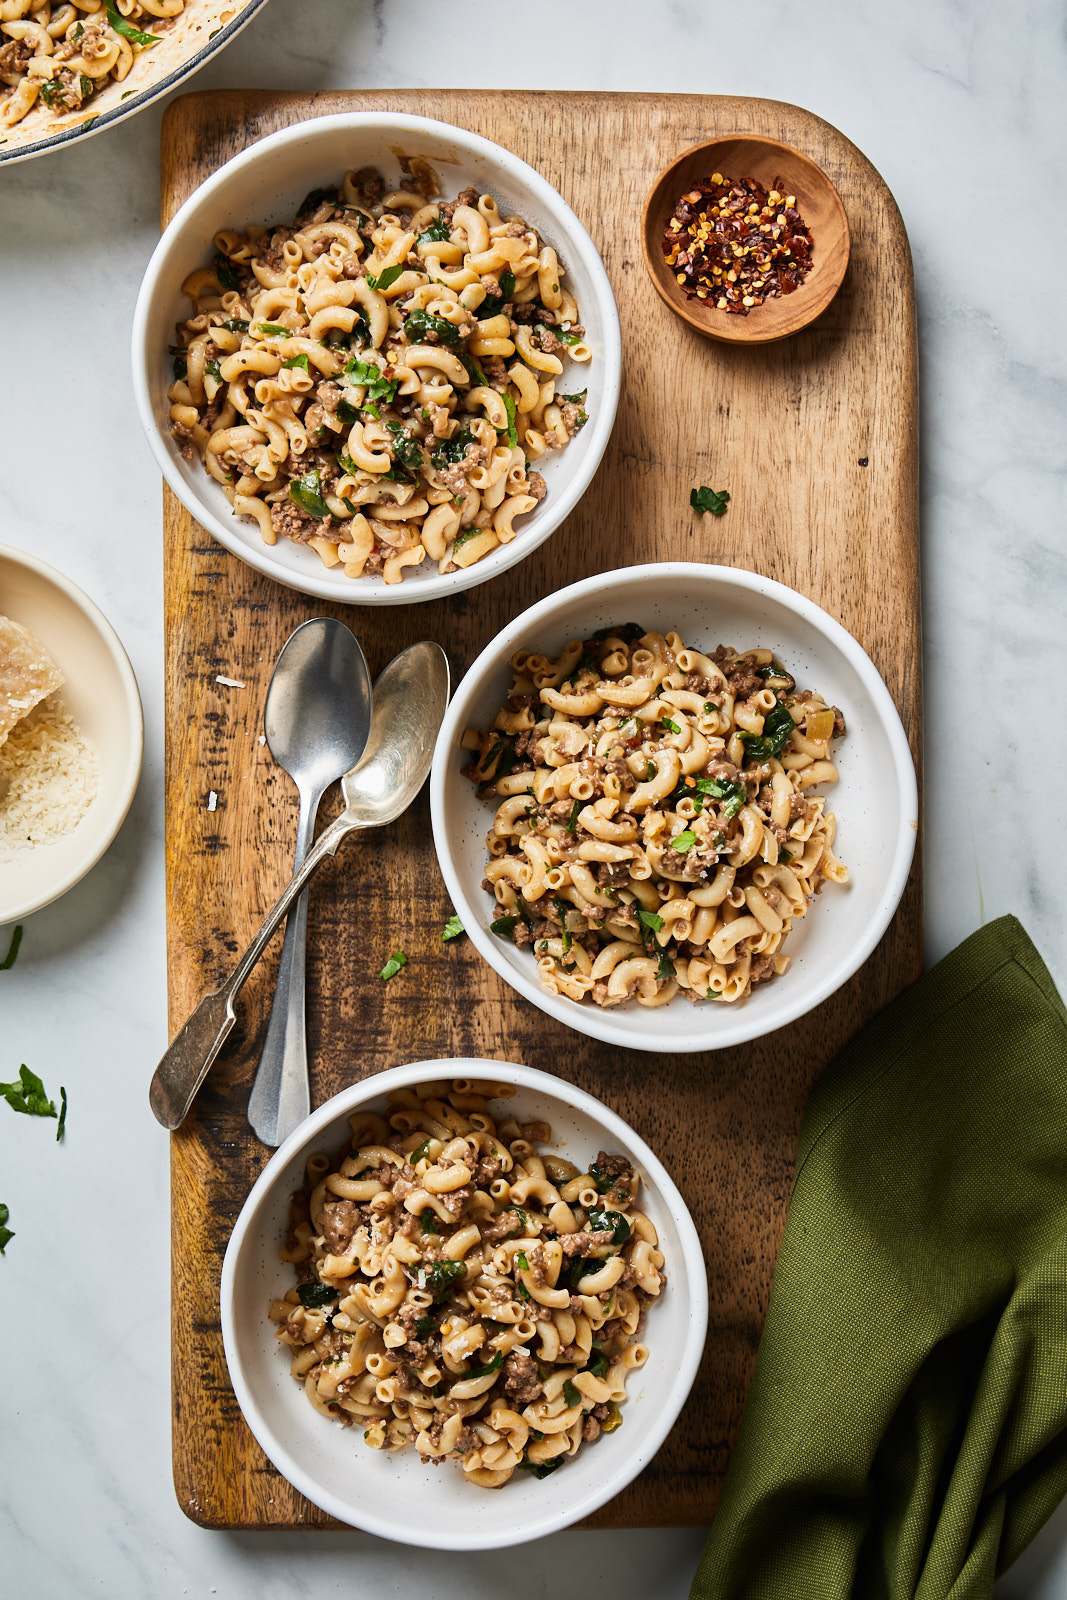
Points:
(27, 674)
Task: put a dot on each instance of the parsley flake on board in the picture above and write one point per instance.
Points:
(12, 949)
(397, 960)
(705, 499)
(452, 929)
(6, 1233)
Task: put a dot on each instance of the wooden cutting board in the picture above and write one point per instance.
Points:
(816, 440)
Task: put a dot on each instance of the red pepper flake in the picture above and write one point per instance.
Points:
(734, 244)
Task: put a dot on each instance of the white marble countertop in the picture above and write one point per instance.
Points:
(961, 109)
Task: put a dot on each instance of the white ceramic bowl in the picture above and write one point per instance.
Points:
(266, 184)
(196, 35)
(396, 1496)
(875, 802)
(101, 695)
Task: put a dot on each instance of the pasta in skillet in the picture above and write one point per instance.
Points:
(460, 1292)
(57, 53)
(657, 831)
(375, 381)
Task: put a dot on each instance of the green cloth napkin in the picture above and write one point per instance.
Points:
(906, 1430)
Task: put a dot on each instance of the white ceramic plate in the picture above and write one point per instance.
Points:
(199, 32)
(397, 1496)
(101, 695)
(266, 184)
(875, 802)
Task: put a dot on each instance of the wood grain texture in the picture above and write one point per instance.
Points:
(815, 437)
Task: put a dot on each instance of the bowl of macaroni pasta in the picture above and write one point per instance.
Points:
(465, 1286)
(377, 358)
(675, 806)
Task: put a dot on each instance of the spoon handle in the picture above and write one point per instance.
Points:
(281, 1094)
(185, 1064)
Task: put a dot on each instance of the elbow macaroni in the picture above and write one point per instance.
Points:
(462, 1294)
(391, 364)
(656, 830)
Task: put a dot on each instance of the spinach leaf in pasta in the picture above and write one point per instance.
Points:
(385, 278)
(778, 726)
(306, 492)
(300, 361)
(613, 1222)
(684, 842)
(313, 1296)
(419, 324)
(439, 1276)
(511, 431)
(438, 232)
(118, 22)
(541, 1469)
(378, 386)
(493, 304)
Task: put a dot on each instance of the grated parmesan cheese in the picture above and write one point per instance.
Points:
(48, 779)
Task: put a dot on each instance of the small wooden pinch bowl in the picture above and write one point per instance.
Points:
(739, 156)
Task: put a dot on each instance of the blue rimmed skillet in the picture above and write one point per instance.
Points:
(193, 37)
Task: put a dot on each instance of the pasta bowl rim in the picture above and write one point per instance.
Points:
(570, 237)
(685, 1300)
(630, 1027)
(127, 701)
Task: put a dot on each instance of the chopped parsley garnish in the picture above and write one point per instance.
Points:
(461, 539)
(713, 500)
(397, 960)
(541, 1469)
(503, 927)
(128, 31)
(420, 323)
(306, 492)
(493, 304)
(275, 330)
(313, 1296)
(385, 279)
(572, 1395)
(27, 1095)
(735, 794)
(572, 820)
(523, 1263)
(452, 929)
(378, 386)
(12, 949)
(439, 1276)
(672, 727)
(665, 970)
(650, 919)
(298, 361)
(683, 842)
(520, 1213)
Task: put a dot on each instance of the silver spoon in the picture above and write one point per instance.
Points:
(316, 720)
(410, 699)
